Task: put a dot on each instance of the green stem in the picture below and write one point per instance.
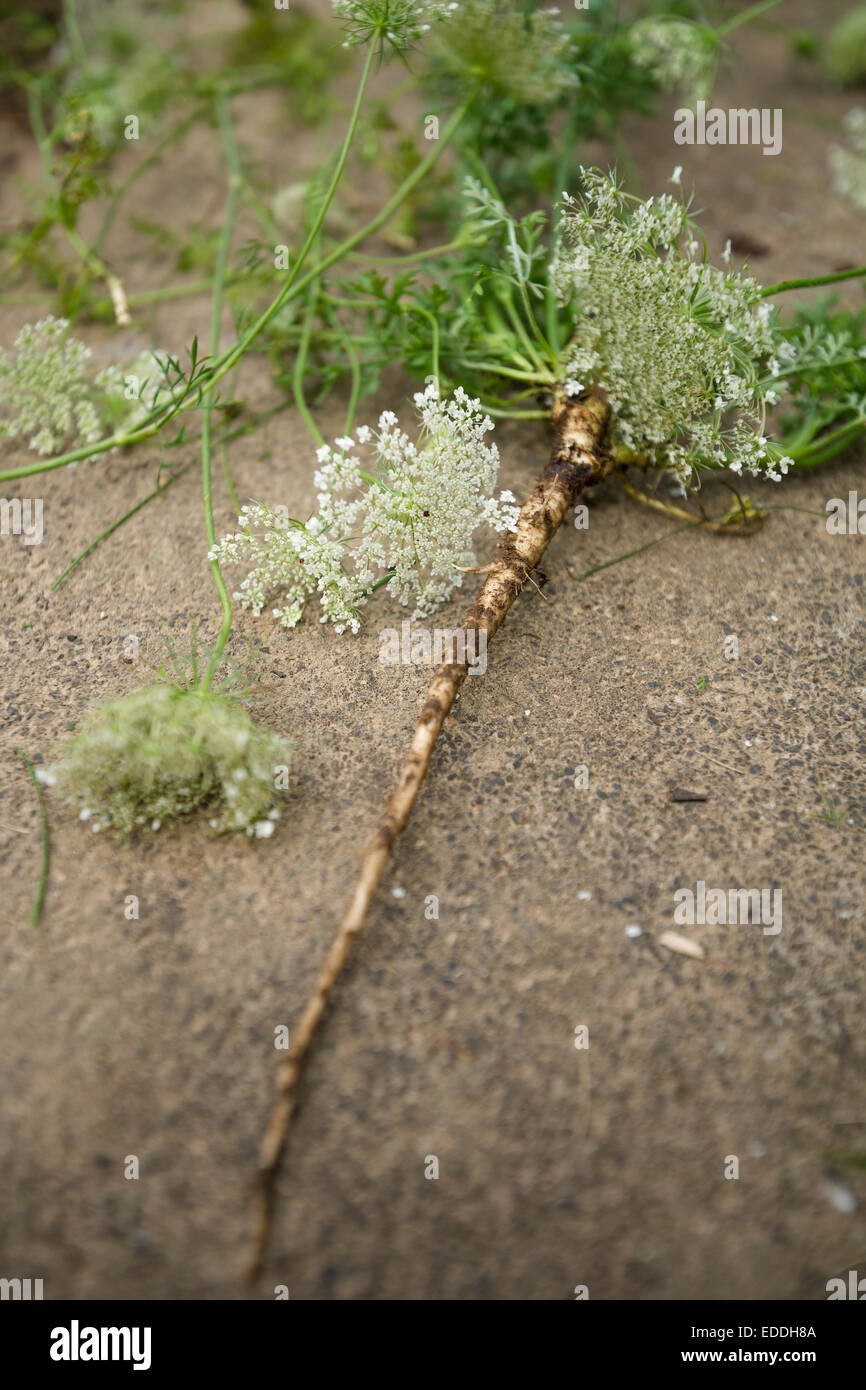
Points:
(515, 414)
(240, 347)
(86, 451)
(70, 20)
(143, 165)
(159, 489)
(293, 288)
(813, 280)
(827, 447)
(434, 331)
(300, 366)
(535, 378)
(234, 184)
(747, 16)
(606, 564)
(412, 258)
(38, 901)
(109, 530)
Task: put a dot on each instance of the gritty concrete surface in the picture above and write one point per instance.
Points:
(455, 1037)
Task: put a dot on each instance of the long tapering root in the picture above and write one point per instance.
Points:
(577, 460)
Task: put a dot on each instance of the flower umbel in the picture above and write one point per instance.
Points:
(407, 526)
(501, 45)
(144, 761)
(849, 165)
(50, 394)
(679, 55)
(689, 356)
(394, 25)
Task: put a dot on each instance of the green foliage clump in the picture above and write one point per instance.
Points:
(159, 754)
(826, 404)
(845, 53)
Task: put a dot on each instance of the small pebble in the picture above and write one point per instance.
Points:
(398, 892)
(840, 1198)
(681, 944)
(633, 931)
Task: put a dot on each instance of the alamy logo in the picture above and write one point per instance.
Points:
(738, 126)
(413, 646)
(19, 518)
(20, 1290)
(846, 519)
(855, 1288)
(76, 1343)
(717, 907)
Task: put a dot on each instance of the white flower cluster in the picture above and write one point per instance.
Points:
(521, 53)
(408, 527)
(159, 754)
(394, 24)
(849, 166)
(679, 55)
(44, 388)
(50, 395)
(678, 346)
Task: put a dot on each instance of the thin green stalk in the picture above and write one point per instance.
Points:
(228, 361)
(434, 331)
(227, 477)
(159, 489)
(412, 259)
(115, 525)
(86, 451)
(813, 280)
(515, 414)
(300, 366)
(168, 293)
(174, 133)
(234, 184)
(747, 16)
(73, 31)
(293, 288)
(832, 444)
(606, 564)
(535, 378)
(39, 900)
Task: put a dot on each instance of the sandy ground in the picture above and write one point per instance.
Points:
(455, 1037)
